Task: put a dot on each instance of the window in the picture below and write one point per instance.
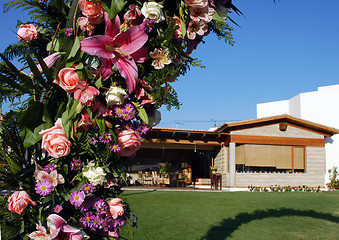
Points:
(269, 158)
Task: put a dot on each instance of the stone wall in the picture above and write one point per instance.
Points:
(221, 159)
(273, 131)
(314, 176)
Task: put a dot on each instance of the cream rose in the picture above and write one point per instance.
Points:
(27, 32)
(54, 140)
(95, 175)
(115, 96)
(153, 10)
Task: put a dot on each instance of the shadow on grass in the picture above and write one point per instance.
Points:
(140, 192)
(229, 225)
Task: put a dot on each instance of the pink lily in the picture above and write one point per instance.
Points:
(85, 122)
(102, 110)
(60, 230)
(121, 49)
(54, 178)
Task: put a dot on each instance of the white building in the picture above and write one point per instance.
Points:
(321, 106)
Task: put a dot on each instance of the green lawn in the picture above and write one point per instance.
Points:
(176, 215)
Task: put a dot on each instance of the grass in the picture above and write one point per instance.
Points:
(193, 215)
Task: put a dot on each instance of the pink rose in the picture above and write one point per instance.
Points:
(18, 201)
(68, 79)
(85, 94)
(93, 10)
(129, 142)
(54, 140)
(115, 207)
(27, 32)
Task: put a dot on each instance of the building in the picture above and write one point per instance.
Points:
(319, 106)
(279, 150)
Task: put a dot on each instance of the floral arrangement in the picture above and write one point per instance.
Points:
(214, 168)
(95, 72)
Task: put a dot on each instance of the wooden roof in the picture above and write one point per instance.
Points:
(188, 135)
(283, 120)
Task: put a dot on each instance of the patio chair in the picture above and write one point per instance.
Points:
(140, 178)
(148, 180)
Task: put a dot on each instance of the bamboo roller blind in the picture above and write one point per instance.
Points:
(270, 156)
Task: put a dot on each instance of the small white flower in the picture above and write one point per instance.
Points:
(153, 10)
(95, 176)
(115, 96)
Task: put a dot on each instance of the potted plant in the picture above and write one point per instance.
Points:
(214, 169)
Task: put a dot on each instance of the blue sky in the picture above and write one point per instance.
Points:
(281, 50)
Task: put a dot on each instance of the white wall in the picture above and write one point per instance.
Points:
(321, 106)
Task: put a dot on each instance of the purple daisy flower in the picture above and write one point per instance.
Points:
(76, 165)
(129, 108)
(50, 167)
(107, 224)
(57, 208)
(69, 32)
(93, 141)
(95, 222)
(148, 25)
(143, 129)
(101, 206)
(86, 221)
(77, 198)
(43, 188)
(115, 148)
(105, 138)
(119, 112)
(87, 188)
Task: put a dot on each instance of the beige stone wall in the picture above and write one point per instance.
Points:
(314, 176)
(221, 159)
(273, 131)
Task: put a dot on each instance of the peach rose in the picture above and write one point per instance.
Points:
(68, 79)
(93, 10)
(18, 201)
(129, 142)
(54, 140)
(27, 32)
(115, 207)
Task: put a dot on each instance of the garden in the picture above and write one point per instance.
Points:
(190, 215)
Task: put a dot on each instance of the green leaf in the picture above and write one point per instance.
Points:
(114, 7)
(36, 72)
(13, 84)
(75, 48)
(99, 83)
(101, 123)
(142, 113)
(32, 120)
(55, 44)
(9, 232)
(20, 75)
(217, 17)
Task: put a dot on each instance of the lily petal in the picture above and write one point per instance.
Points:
(140, 55)
(112, 26)
(106, 68)
(98, 45)
(131, 40)
(128, 70)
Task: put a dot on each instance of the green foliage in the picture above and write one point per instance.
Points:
(334, 181)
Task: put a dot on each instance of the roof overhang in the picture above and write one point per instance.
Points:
(185, 136)
(282, 120)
